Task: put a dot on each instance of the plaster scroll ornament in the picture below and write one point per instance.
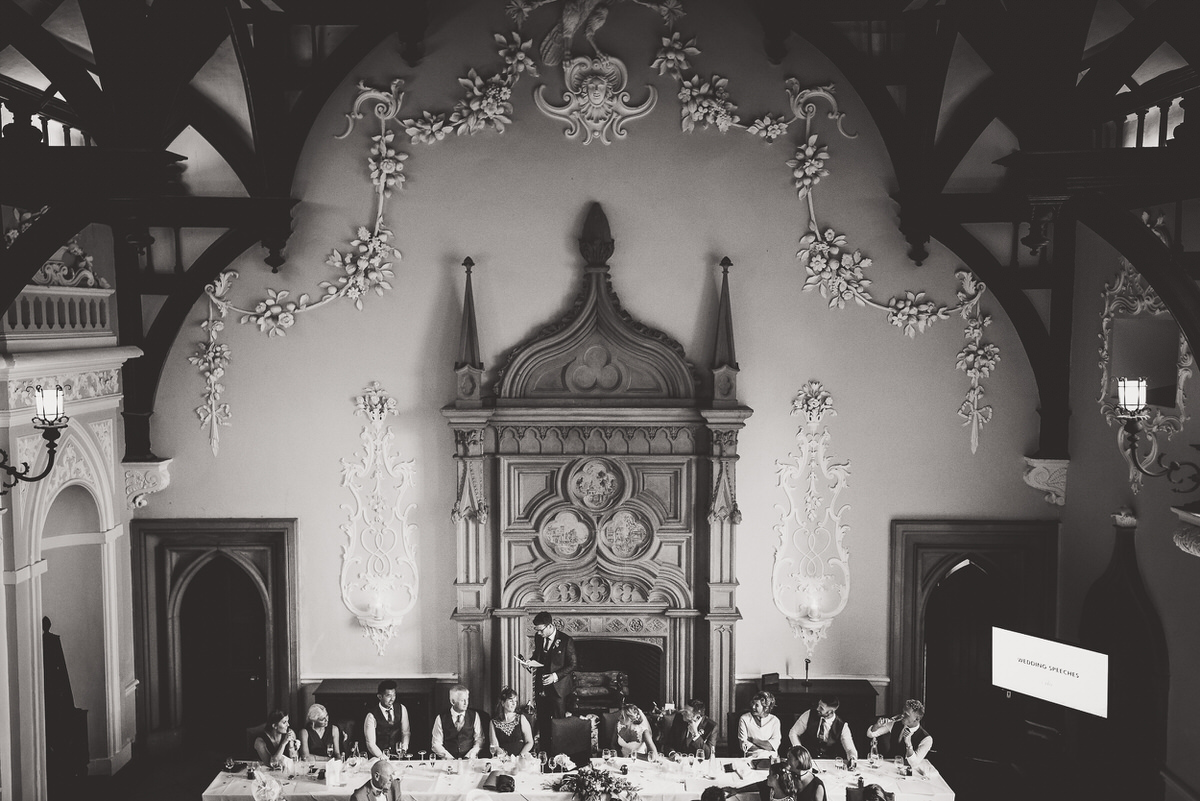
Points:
(142, 479)
(810, 581)
(1050, 476)
(1131, 296)
(379, 578)
(596, 103)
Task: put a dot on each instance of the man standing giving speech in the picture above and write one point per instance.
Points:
(553, 677)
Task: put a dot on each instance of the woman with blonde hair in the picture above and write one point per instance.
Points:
(632, 735)
(319, 737)
(758, 730)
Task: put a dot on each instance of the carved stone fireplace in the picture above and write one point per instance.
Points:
(598, 485)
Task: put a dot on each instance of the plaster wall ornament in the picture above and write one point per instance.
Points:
(379, 578)
(1050, 476)
(1130, 295)
(1187, 539)
(71, 266)
(211, 358)
(102, 432)
(142, 479)
(596, 103)
(76, 386)
(811, 578)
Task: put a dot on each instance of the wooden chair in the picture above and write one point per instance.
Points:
(573, 737)
(252, 734)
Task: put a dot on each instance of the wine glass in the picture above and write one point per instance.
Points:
(330, 751)
(543, 759)
(421, 754)
(495, 750)
(228, 763)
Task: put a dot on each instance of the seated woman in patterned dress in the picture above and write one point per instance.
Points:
(510, 733)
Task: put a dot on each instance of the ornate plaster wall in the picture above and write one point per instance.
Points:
(677, 203)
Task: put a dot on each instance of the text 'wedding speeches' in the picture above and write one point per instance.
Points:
(1052, 671)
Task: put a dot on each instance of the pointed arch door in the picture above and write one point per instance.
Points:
(169, 556)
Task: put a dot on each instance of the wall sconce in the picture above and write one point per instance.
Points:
(50, 419)
(1132, 408)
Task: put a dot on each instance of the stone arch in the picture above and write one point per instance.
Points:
(84, 461)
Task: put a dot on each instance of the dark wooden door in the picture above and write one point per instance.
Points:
(970, 716)
(224, 658)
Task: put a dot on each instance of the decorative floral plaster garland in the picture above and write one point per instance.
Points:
(832, 268)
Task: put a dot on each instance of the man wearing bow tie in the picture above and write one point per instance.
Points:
(554, 680)
(903, 737)
(458, 733)
(380, 787)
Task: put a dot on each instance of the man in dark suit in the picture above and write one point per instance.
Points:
(691, 731)
(380, 787)
(554, 679)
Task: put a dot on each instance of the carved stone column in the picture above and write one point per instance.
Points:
(472, 584)
(723, 518)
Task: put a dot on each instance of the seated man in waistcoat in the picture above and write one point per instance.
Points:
(458, 732)
(903, 735)
(823, 732)
(385, 726)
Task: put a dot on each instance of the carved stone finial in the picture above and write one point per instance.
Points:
(596, 244)
(468, 367)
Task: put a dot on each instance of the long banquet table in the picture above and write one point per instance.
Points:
(429, 781)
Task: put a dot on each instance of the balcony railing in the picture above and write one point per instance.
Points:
(53, 317)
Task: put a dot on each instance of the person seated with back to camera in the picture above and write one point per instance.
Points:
(873, 792)
(632, 734)
(319, 737)
(823, 732)
(758, 730)
(510, 732)
(276, 739)
(794, 779)
(691, 731)
(380, 787)
(903, 735)
(458, 732)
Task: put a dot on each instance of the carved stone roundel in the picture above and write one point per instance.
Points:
(626, 534)
(566, 534)
(596, 484)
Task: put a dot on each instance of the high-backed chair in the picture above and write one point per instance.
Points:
(573, 737)
(252, 734)
(607, 729)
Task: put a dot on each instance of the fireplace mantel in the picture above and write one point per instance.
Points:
(597, 483)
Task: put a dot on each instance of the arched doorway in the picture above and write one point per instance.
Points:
(223, 650)
(959, 617)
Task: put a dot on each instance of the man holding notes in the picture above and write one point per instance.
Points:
(553, 668)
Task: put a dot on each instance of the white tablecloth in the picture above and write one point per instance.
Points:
(430, 782)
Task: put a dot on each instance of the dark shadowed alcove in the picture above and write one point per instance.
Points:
(642, 661)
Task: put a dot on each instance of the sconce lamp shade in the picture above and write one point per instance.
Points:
(1131, 394)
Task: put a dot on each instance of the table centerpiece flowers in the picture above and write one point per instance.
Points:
(594, 784)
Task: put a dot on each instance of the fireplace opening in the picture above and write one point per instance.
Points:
(642, 661)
